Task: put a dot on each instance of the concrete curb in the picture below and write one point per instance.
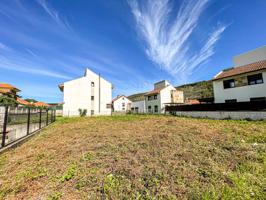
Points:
(21, 140)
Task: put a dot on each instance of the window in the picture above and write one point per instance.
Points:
(258, 99)
(92, 112)
(156, 109)
(108, 105)
(149, 98)
(255, 79)
(229, 83)
(136, 109)
(92, 98)
(123, 104)
(149, 109)
(92, 84)
(155, 96)
(230, 101)
(123, 108)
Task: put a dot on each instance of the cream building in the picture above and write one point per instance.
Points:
(121, 104)
(91, 93)
(163, 93)
(245, 81)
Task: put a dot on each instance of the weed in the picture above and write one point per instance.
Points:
(80, 184)
(88, 156)
(70, 173)
(82, 112)
(110, 184)
(40, 156)
(55, 196)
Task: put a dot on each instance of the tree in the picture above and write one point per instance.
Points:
(7, 101)
(31, 100)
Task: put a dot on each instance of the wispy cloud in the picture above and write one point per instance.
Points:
(54, 14)
(26, 67)
(168, 42)
(207, 50)
(4, 47)
(32, 53)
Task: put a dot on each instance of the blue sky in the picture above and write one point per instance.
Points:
(131, 43)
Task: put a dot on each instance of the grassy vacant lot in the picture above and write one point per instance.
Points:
(139, 157)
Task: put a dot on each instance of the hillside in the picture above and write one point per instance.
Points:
(202, 90)
(137, 97)
(198, 90)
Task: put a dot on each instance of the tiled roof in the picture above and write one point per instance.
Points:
(23, 102)
(241, 70)
(4, 91)
(192, 101)
(8, 86)
(156, 91)
(41, 104)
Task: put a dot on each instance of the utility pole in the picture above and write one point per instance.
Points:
(99, 93)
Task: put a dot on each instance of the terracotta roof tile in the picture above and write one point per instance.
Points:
(241, 70)
(23, 102)
(156, 91)
(41, 104)
(192, 101)
(8, 86)
(3, 91)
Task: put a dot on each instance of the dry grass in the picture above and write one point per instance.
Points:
(138, 157)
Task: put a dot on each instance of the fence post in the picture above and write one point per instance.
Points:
(51, 116)
(54, 115)
(28, 122)
(47, 114)
(4, 126)
(40, 119)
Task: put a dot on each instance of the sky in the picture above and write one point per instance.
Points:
(131, 43)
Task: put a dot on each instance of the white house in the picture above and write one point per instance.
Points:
(163, 93)
(91, 93)
(121, 104)
(245, 81)
(138, 103)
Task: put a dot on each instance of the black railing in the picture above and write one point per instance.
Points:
(234, 106)
(19, 122)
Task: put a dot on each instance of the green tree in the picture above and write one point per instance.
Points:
(31, 100)
(7, 101)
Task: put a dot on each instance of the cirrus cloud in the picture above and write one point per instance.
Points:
(168, 41)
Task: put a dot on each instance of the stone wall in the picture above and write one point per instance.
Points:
(253, 115)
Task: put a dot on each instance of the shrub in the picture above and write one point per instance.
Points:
(82, 112)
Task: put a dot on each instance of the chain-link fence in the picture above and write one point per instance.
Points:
(18, 122)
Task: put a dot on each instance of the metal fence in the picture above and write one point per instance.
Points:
(19, 122)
